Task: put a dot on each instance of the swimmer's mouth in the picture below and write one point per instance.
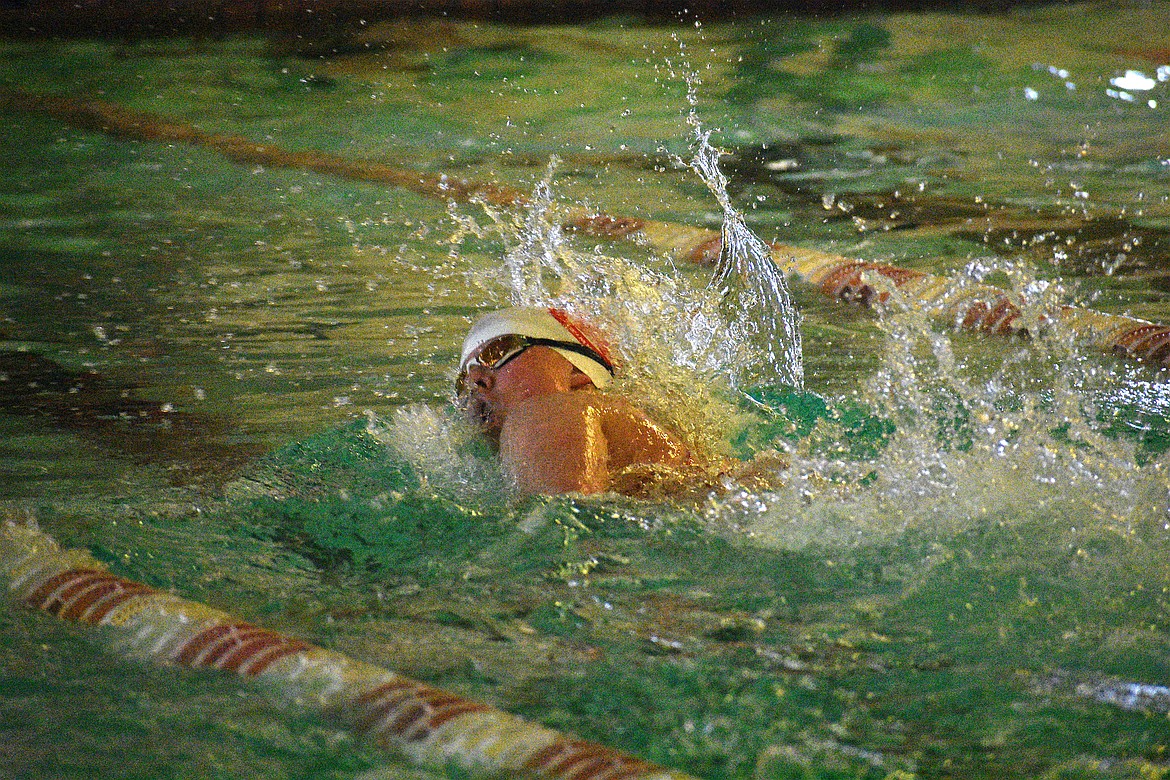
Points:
(479, 414)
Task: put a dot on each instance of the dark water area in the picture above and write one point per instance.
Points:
(324, 18)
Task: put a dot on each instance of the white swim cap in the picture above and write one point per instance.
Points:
(584, 346)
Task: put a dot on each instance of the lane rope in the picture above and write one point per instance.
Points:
(427, 725)
(963, 304)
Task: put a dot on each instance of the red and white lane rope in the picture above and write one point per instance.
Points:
(427, 725)
(965, 304)
(977, 307)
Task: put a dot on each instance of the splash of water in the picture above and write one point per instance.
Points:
(754, 295)
(1018, 440)
(441, 449)
(755, 302)
(1017, 443)
(536, 260)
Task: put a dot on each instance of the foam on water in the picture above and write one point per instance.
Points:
(1022, 442)
(441, 448)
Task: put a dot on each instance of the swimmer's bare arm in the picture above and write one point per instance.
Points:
(555, 444)
(575, 441)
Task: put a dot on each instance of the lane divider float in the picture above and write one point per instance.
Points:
(959, 303)
(428, 726)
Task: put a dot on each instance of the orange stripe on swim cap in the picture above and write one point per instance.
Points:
(587, 335)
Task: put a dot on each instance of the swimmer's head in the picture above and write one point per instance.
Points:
(500, 336)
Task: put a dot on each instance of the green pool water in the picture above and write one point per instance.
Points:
(964, 573)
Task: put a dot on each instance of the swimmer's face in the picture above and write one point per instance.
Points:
(535, 372)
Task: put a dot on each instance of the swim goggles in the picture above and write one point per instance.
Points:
(496, 353)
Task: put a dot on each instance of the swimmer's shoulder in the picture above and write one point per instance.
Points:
(627, 432)
(553, 444)
(566, 422)
(636, 438)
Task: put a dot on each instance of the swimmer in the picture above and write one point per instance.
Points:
(533, 380)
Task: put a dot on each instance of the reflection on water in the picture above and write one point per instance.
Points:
(964, 572)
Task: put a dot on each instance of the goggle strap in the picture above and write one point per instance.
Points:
(571, 346)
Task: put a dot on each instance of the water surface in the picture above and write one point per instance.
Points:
(964, 574)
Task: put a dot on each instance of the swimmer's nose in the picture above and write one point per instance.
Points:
(479, 378)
